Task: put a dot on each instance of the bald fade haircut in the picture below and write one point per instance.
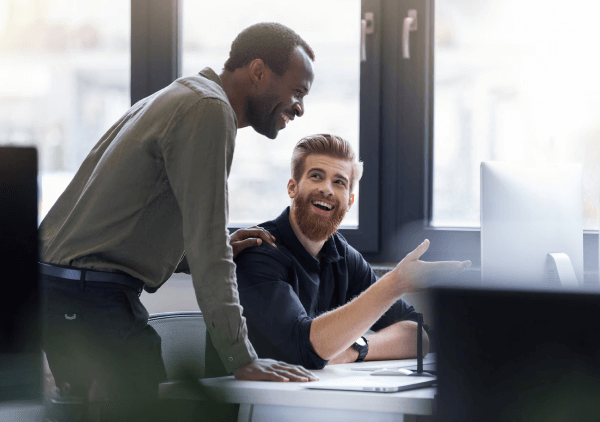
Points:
(325, 144)
(273, 43)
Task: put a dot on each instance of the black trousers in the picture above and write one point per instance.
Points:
(97, 339)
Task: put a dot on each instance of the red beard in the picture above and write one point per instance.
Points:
(315, 226)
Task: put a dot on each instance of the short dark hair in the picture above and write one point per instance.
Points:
(273, 43)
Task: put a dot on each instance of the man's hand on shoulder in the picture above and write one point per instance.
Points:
(273, 370)
(412, 274)
(250, 237)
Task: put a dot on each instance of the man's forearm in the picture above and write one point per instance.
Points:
(335, 331)
(398, 341)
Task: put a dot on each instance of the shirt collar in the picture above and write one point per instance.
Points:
(208, 73)
(329, 252)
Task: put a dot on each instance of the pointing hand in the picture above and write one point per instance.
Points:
(412, 273)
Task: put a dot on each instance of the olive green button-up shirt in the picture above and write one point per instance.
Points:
(154, 186)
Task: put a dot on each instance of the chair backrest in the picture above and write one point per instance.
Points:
(183, 337)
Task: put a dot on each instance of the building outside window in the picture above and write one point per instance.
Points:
(261, 166)
(64, 80)
(515, 81)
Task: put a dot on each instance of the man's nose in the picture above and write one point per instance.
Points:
(299, 108)
(326, 188)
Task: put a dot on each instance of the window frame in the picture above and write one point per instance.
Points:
(156, 62)
(155, 46)
(396, 129)
(413, 189)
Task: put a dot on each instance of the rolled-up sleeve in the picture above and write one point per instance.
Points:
(273, 308)
(198, 152)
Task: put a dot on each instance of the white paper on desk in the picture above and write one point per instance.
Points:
(390, 384)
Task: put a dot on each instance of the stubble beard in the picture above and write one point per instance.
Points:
(260, 116)
(314, 226)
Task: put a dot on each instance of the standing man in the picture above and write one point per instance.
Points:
(154, 186)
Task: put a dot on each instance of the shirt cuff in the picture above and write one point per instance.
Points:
(310, 358)
(237, 355)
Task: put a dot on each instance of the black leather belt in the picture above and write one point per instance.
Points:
(89, 275)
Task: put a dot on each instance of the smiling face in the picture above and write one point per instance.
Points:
(321, 198)
(279, 99)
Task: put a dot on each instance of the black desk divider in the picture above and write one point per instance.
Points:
(517, 355)
(20, 327)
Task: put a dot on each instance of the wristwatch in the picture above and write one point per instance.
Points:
(362, 346)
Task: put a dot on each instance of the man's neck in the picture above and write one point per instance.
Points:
(312, 247)
(236, 94)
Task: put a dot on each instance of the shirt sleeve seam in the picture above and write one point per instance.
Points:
(181, 115)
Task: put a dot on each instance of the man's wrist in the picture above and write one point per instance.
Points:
(238, 356)
(361, 345)
(392, 283)
(352, 354)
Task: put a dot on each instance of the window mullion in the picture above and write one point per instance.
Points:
(155, 46)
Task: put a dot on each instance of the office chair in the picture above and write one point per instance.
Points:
(183, 336)
(183, 339)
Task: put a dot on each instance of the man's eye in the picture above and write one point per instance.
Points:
(341, 182)
(318, 176)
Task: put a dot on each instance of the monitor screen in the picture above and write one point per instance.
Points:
(507, 355)
(20, 330)
(528, 212)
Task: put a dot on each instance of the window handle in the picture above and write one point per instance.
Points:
(409, 25)
(366, 27)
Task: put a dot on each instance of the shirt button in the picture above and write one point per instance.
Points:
(230, 359)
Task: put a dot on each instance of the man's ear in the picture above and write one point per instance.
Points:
(350, 201)
(259, 72)
(292, 188)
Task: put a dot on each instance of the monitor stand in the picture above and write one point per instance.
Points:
(419, 372)
(560, 271)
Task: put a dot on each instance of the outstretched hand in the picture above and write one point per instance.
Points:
(246, 238)
(413, 273)
(273, 370)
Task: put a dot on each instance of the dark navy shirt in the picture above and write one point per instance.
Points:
(283, 289)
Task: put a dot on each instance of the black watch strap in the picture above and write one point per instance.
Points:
(362, 349)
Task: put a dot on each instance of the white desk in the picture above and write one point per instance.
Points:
(22, 411)
(292, 402)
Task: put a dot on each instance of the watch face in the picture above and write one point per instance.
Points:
(361, 341)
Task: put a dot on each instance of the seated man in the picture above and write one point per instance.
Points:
(309, 299)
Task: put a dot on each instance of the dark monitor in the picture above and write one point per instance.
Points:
(508, 355)
(20, 330)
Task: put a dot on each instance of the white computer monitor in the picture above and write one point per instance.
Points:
(527, 213)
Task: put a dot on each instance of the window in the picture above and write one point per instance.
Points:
(344, 100)
(175, 37)
(64, 80)
(427, 188)
(417, 130)
(425, 168)
(514, 81)
(261, 166)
